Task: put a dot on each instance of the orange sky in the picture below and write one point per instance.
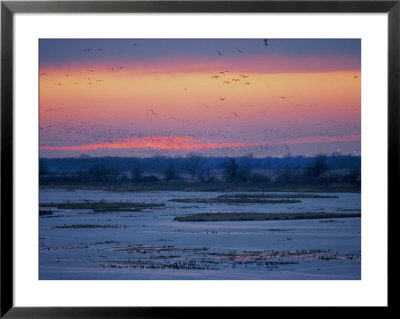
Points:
(109, 104)
(186, 95)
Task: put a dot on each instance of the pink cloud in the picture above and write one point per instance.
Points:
(174, 143)
(154, 143)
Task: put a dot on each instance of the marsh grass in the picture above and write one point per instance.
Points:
(89, 226)
(260, 196)
(219, 200)
(102, 206)
(211, 217)
(118, 209)
(45, 212)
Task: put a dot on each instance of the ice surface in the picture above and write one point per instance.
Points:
(150, 245)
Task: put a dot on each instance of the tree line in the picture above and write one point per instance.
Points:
(321, 169)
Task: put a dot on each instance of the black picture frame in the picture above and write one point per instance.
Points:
(9, 8)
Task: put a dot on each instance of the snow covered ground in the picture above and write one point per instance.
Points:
(148, 244)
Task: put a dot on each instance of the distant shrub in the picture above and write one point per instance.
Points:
(318, 167)
(137, 174)
(289, 176)
(43, 170)
(149, 179)
(206, 176)
(333, 178)
(260, 178)
(230, 169)
(232, 172)
(123, 178)
(353, 176)
(102, 173)
(243, 174)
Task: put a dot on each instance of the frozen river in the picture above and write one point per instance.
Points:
(146, 242)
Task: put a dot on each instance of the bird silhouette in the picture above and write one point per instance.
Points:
(238, 50)
(219, 53)
(266, 42)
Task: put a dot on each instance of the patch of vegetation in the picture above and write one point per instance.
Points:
(247, 196)
(330, 221)
(89, 226)
(234, 200)
(211, 217)
(45, 212)
(117, 209)
(101, 205)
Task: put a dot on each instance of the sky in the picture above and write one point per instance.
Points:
(215, 97)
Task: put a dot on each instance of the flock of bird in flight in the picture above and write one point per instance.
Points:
(93, 81)
(221, 75)
(118, 68)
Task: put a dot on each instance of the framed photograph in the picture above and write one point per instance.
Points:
(163, 155)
